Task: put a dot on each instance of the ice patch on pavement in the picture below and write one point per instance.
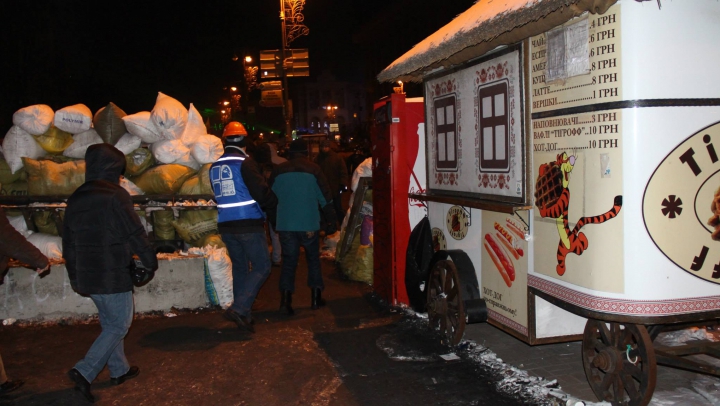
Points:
(398, 351)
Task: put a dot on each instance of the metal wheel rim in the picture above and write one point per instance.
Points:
(446, 311)
(621, 383)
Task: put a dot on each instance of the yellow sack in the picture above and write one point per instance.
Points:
(163, 179)
(47, 178)
(198, 184)
(54, 140)
(213, 240)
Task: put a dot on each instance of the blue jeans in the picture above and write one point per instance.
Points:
(243, 249)
(277, 249)
(291, 242)
(116, 313)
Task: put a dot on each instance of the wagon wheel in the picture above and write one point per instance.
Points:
(444, 302)
(619, 361)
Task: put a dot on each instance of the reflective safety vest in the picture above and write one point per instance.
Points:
(233, 198)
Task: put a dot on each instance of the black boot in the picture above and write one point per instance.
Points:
(316, 299)
(286, 302)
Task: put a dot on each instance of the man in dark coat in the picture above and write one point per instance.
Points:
(335, 170)
(101, 231)
(14, 245)
(301, 190)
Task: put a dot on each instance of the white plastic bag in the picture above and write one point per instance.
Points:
(19, 223)
(195, 127)
(140, 124)
(74, 119)
(81, 143)
(364, 170)
(128, 143)
(35, 119)
(49, 245)
(19, 143)
(207, 149)
(169, 116)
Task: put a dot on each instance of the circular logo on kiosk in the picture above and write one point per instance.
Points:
(681, 205)
(438, 239)
(457, 222)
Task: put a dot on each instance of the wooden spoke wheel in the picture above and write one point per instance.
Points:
(446, 311)
(619, 361)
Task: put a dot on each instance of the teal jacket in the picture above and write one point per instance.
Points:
(302, 190)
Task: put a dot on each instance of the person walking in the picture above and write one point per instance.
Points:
(302, 190)
(14, 245)
(335, 170)
(101, 231)
(266, 156)
(242, 196)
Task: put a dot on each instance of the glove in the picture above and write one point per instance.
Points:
(330, 228)
(139, 274)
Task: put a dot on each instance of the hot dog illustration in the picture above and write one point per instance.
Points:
(515, 229)
(509, 241)
(500, 258)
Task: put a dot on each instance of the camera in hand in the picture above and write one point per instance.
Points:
(139, 273)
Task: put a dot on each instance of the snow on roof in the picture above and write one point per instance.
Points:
(483, 27)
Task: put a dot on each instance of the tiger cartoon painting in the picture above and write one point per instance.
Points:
(552, 198)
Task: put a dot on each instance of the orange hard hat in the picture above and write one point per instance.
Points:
(234, 128)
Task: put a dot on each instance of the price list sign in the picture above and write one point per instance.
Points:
(600, 83)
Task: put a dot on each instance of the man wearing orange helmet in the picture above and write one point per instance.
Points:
(242, 196)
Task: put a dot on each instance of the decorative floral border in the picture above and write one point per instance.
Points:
(439, 89)
(637, 307)
(507, 322)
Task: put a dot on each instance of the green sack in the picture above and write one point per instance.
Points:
(163, 179)
(6, 175)
(45, 221)
(163, 224)
(212, 239)
(54, 140)
(47, 178)
(193, 225)
(138, 161)
(109, 124)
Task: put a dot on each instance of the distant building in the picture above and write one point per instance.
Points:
(327, 101)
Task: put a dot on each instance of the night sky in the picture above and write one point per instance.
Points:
(66, 52)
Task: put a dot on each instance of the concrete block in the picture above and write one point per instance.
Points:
(25, 295)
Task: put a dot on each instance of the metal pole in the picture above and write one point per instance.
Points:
(285, 90)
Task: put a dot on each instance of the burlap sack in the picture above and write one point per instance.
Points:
(109, 124)
(138, 161)
(193, 225)
(162, 225)
(198, 184)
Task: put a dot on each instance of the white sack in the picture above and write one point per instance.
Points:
(168, 151)
(49, 245)
(207, 149)
(140, 124)
(128, 143)
(131, 188)
(74, 119)
(19, 223)
(195, 127)
(364, 170)
(19, 143)
(169, 116)
(188, 160)
(81, 142)
(220, 269)
(34, 119)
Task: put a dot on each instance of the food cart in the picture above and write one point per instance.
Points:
(572, 178)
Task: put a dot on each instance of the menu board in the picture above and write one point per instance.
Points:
(600, 85)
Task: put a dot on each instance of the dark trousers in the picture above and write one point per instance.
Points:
(291, 241)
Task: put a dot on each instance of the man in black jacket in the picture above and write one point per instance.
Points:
(101, 231)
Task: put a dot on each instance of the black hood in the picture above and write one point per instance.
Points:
(103, 161)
